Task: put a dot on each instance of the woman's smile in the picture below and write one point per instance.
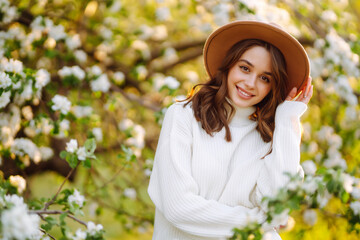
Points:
(244, 94)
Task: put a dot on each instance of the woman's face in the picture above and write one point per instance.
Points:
(249, 80)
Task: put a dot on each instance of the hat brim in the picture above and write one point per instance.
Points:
(222, 39)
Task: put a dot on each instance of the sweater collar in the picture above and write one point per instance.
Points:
(241, 115)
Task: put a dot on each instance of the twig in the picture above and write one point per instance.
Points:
(113, 177)
(61, 186)
(133, 97)
(42, 230)
(40, 212)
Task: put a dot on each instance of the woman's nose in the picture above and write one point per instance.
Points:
(250, 81)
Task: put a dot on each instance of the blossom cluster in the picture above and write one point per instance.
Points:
(314, 191)
(135, 134)
(16, 222)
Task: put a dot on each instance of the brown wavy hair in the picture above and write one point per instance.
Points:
(214, 112)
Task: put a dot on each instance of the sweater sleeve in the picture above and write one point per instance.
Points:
(175, 192)
(285, 155)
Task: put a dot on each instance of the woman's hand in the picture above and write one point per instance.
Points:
(305, 94)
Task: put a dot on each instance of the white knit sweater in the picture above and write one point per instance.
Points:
(203, 186)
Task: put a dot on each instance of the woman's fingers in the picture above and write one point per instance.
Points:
(306, 99)
(308, 86)
(292, 94)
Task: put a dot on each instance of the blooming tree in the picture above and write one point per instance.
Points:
(76, 74)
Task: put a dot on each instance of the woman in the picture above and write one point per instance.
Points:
(230, 143)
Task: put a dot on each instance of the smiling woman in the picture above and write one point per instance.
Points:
(219, 152)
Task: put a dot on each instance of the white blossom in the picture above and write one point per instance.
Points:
(94, 70)
(170, 55)
(16, 222)
(356, 193)
(11, 65)
(57, 32)
(130, 193)
(348, 182)
(138, 137)
(18, 182)
(82, 111)
(27, 112)
(24, 146)
(309, 167)
(46, 153)
(221, 13)
(72, 146)
(80, 56)
(146, 32)
(98, 134)
(5, 80)
(280, 219)
(310, 185)
(101, 84)
(73, 42)
(115, 7)
(355, 206)
(163, 14)
(79, 235)
(5, 99)
(192, 76)
(171, 82)
(9, 13)
(76, 198)
(76, 71)
(329, 16)
(310, 217)
(25, 95)
(125, 124)
(351, 113)
(142, 47)
(334, 159)
(160, 33)
(81, 153)
(42, 78)
(323, 199)
(93, 228)
(64, 125)
(119, 77)
(61, 103)
(141, 71)
(147, 172)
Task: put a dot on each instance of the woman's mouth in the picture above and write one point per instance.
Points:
(244, 94)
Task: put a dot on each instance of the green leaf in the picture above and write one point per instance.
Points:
(72, 160)
(90, 145)
(63, 154)
(50, 222)
(344, 196)
(87, 163)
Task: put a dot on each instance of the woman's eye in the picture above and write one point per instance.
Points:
(266, 79)
(244, 68)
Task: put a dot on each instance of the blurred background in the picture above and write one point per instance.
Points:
(121, 63)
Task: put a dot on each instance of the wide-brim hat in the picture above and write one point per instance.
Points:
(222, 39)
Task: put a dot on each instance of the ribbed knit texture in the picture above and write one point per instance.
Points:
(203, 186)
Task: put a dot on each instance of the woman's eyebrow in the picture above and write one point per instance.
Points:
(247, 62)
(251, 65)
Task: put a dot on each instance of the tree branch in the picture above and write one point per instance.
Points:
(61, 186)
(132, 97)
(54, 212)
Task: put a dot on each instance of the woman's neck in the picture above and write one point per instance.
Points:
(241, 115)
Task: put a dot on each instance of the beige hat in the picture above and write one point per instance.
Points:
(222, 39)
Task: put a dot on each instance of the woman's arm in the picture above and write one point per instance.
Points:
(174, 191)
(285, 155)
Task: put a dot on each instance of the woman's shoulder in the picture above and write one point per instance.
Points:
(183, 109)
